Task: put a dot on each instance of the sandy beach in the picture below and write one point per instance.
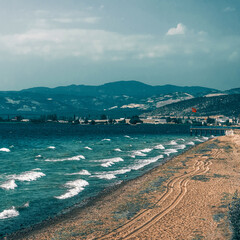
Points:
(188, 197)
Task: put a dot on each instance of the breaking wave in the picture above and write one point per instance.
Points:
(82, 172)
(10, 184)
(170, 151)
(106, 139)
(160, 146)
(173, 142)
(51, 147)
(145, 162)
(109, 162)
(107, 176)
(27, 176)
(88, 148)
(75, 187)
(75, 158)
(9, 213)
(5, 150)
(117, 150)
(180, 146)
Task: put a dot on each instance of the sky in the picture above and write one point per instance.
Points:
(62, 42)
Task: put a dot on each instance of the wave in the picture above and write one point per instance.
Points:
(173, 143)
(27, 176)
(126, 136)
(160, 146)
(51, 147)
(205, 138)
(9, 213)
(141, 153)
(117, 150)
(169, 151)
(181, 139)
(75, 158)
(146, 150)
(145, 162)
(180, 146)
(10, 184)
(109, 162)
(38, 156)
(105, 176)
(191, 143)
(106, 139)
(88, 148)
(82, 172)
(198, 140)
(75, 187)
(5, 150)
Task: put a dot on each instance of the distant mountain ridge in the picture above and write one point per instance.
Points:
(228, 105)
(116, 99)
(132, 88)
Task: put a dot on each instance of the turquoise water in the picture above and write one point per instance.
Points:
(45, 169)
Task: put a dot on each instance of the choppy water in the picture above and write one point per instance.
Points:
(45, 169)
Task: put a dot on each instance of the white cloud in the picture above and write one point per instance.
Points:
(180, 29)
(229, 9)
(93, 44)
(90, 20)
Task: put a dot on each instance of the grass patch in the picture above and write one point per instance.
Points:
(202, 178)
(234, 216)
(220, 176)
(130, 209)
(218, 217)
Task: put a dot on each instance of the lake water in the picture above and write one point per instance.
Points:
(47, 168)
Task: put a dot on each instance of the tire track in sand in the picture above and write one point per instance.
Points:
(132, 226)
(157, 217)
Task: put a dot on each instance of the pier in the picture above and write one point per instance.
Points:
(203, 131)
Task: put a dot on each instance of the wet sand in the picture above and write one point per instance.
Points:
(185, 198)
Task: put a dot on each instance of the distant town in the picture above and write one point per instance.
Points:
(219, 120)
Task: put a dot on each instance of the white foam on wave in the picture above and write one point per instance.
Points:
(198, 140)
(10, 184)
(160, 146)
(109, 162)
(107, 176)
(75, 187)
(181, 146)
(205, 138)
(106, 139)
(88, 148)
(145, 162)
(170, 151)
(27, 176)
(75, 158)
(126, 136)
(51, 147)
(82, 172)
(191, 143)
(146, 150)
(181, 139)
(39, 156)
(9, 213)
(138, 153)
(173, 143)
(117, 150)
(5, 150)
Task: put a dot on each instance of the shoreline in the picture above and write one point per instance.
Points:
(77, 215)
(89, 202)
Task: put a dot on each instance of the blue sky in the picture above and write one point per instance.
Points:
(182, 42)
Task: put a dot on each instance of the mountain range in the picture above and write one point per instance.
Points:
(116, 99)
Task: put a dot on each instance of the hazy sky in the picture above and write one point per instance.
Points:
(62, 42)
